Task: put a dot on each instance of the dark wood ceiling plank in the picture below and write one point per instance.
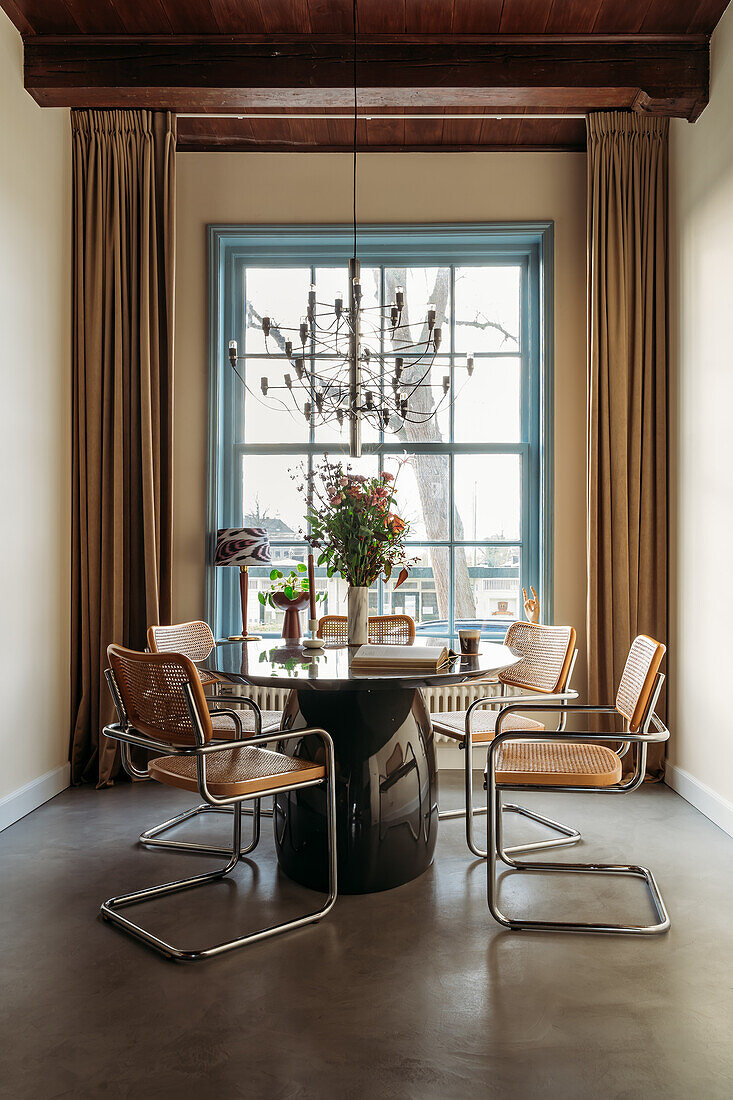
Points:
(428, 16)
(380, 16)
(236, 17)
(706, 16)
(667, 17)
(17, 16)
(147, 18)
(621, 16)
(286, 16)
(44, 16)
(189, 16)
(524, 16)
(660, 76)
(577, 17)
(330, 16)
(101, 17)
(472, 18)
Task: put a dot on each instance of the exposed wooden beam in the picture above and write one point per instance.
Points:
(667, 75)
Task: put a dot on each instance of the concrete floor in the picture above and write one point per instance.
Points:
(415, 992)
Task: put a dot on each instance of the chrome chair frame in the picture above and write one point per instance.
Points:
(639, 741)
(151, 838)
(568, 835)
(127, 736)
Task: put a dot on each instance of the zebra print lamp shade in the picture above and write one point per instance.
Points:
(242, 546)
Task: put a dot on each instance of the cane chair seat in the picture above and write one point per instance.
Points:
(225, 729)
(237, 772)
(483, 724)
(383, 629)
(557, 764)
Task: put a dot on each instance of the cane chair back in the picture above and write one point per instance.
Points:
(547, 656)
(397, 629)
(638, 679)
(194, 639)
(151, 688)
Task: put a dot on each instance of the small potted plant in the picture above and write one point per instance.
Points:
(289, 593)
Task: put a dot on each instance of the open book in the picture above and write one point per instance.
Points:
(422, 658)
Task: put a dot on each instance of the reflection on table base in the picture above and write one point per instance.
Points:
(386, 790)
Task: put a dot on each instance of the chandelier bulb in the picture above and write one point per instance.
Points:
(394, 316)
(266, 326)
(437, 337)
(385, 417)
(288, 381)
(431, 314)
(399, 365)
(232, 351)
(299, 367)
(288, 348)
(338, 304)
(369, 400)
(340, 417)
(307, 409)
(403, 409)
(446, 383)
(264, 384)
(303, 330)
(469, 363)
(399, 297)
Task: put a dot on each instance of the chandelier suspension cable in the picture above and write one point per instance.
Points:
(356, 120)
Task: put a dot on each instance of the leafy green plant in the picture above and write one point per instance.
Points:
(291, 585)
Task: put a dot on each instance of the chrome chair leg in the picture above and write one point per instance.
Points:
(568, 835)
(514, 924)
(109, 910)
(150, 838)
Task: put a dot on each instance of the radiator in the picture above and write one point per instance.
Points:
(439, 699)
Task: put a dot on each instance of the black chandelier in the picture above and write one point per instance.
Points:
(333, 367)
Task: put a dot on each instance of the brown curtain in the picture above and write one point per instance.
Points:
(627, 393)
(123, 269)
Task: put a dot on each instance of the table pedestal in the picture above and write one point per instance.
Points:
(386, 790)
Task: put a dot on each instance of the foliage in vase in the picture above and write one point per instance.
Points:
(292, 584)
(355, 525)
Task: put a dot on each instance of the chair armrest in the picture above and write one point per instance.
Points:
(662, 733)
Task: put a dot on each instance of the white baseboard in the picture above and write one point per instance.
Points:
(34, 794)
(702, 797)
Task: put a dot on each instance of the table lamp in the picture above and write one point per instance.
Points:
(242, 546)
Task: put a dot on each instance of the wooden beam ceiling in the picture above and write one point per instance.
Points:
(666, 75)
(446, 58)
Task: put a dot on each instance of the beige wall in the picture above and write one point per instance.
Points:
(701, 343)
(238, 188)
(34, 426)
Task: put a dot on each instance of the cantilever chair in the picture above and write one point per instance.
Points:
(522, 760)
(196, 641)
(162, 708)
(397, 629)
(549, 656)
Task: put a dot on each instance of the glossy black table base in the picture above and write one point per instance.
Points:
(386, 790)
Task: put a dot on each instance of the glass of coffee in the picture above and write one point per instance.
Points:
(469, 641)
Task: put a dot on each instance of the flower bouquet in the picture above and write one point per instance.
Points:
(355, 525)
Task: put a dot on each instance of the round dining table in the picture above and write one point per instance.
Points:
(386, 775)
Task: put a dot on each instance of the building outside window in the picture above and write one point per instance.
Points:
(473, 482)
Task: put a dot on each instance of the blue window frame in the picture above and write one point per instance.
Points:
(484, 467)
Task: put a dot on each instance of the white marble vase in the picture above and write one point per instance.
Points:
(358, 616)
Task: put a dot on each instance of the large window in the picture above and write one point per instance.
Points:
(474, 487)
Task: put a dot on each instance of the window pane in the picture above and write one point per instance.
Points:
(487, 493)
(487, 308)
(487, 405)
(280, 293)
(422, 285)
(271, 498)
(425, 424)
(422, 496)
(275, 418)
(487, 585)
(424, 595)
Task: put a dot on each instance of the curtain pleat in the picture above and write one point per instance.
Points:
(123, 165)
(627, 394)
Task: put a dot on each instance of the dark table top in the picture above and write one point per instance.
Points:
(283, 662)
